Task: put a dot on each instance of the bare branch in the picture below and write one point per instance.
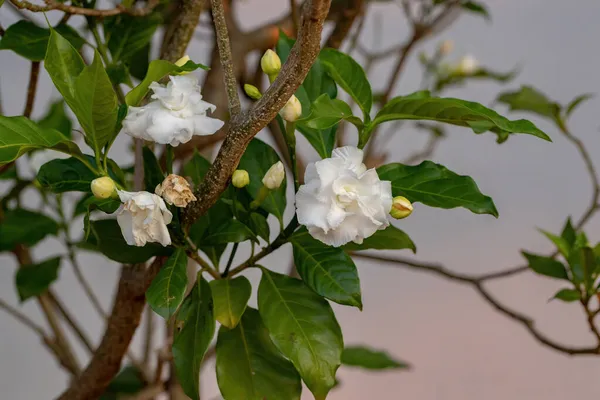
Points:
(32, 88)
(344, 23)
(24, 319)
(90, 12)
(183, 25)
(226, 57)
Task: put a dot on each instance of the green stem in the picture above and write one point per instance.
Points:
(290, 138)
(263, 192)
(230, 261)
(169, 150)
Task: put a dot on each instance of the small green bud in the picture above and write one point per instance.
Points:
(292, 109)
(468, 65)
(103, 187)
(270, 63)
(240, 178)
(252, 91)
(401, 207)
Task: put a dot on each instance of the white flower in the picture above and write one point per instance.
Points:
(468, 65)
(274, 176)
(41, 157)
(341, 200)
(292, 109)
(175, 190)
(176, 114)
(143, 217)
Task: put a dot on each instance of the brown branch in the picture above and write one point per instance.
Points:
(148, 336)
(243, 129)
(477, 282)
(32, 88)
(70, 320)
(90, 12)
(344, 23)
(24, 319)
(122, 323)
(183, 25)
(225, 56)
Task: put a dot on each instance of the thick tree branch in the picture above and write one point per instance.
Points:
(243, 129)
(344, 23)
(184, 23)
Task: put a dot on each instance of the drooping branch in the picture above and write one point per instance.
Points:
(243, 129)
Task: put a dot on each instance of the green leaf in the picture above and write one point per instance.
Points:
(157, 70)
(34, 279)
(196, 168)
(576, 102)
(106, 237)
(95, 103)
(546, 266)
(18, 135)
(230, 297)
(568, 233)
(64, 175)
(304, 329)
(476, 8)
(350, 76)
(391, 238)
(190, 344)
(257, 160)
(250, 367)
(9, 173)
(457, 78)
(329, 271)
(561, 244)
(128, 381)
(128, 34)
(582, 263)
(259, 225)
(233, 231)
(328, 112)
(119, 74)
(153, 174)
(436, 186)
(64, 64)
(139, 63)
(452, 111)
(30, 41)
(567, 295)
(56, 118)
(24, 227)
(368, 358)
(167, 290)
(217, 216)
(530, 99)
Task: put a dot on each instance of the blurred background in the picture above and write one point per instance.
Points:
(458, 346)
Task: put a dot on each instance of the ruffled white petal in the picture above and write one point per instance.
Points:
(143, 217)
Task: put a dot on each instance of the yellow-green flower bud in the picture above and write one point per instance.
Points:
(103, 187)
(292, 109)
(401, 207)
(270, 63)
(252, 91)
(274, 176)
(240, 178)
(181, 62)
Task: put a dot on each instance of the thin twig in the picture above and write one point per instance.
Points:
(90, 12)
(32, 88)
(24, 319)
(225, 56)
(148, 336)
(70, 320)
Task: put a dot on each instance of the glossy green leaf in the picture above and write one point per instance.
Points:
(567, 295)
(216, 217)
(8, 174)
(167, 290)
(20, 226)
(157, 70)
(476, 8)
(129, 34)
(561, 244)
(230, 297)
(582, 264)
(108, 206)
(34, 279)
(250, 367)
(530, 99)
(128, 381)
(64, 175)
(196, 168)
(30, 41)
(350, 76)
(257, 160)
(304, 329)
(153, 174)
(190, 344)
(368, 358)
(576, 102)
(139, 63)
(232, 231)
(458, 78)
(327, 270)
(106, 238)
(18, 135)
(436, 186)
(259, 225)
(327, 112)
(119, 74)
(95, 103)
(56, 118)
(390, 238)
(546, 266)
(452, 111)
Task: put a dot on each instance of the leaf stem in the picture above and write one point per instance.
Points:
(169, 151)
(290, 138)
(230, 261)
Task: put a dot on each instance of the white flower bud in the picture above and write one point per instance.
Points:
(274, 176)
(240, 178)
(401, 207)
(468, 65)
(181, 62)
(292, 109)
(252, 91)
(175, 190)
(270, 63)
(446, 47)
(103, 187)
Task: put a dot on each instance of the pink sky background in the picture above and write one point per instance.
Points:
(459, 347)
